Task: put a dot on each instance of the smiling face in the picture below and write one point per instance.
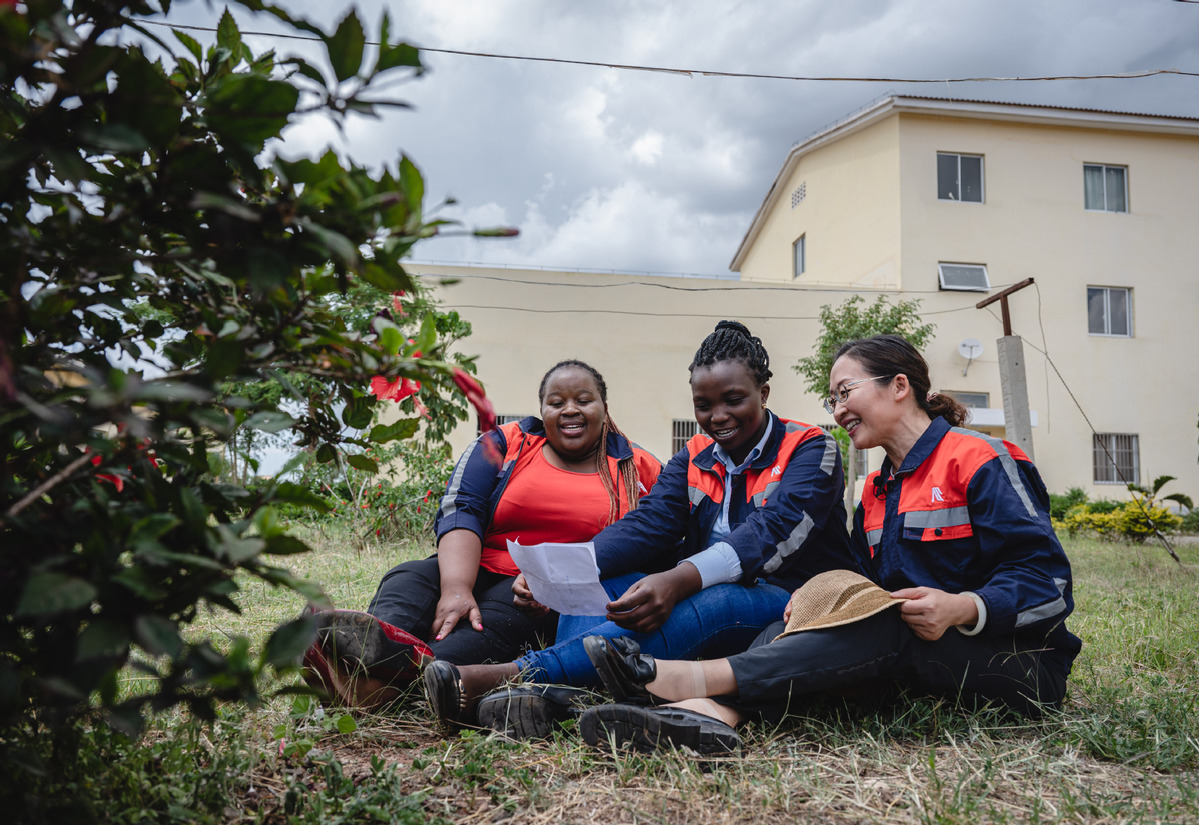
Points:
(730, 406)
(867, 412)
(573, 412)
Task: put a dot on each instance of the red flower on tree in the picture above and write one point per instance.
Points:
(396, 390)
(473, 391)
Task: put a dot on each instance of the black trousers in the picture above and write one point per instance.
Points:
(776, 677)
(407, 598)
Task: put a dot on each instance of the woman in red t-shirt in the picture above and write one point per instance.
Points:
(561, 478)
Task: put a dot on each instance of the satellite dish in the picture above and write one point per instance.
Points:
(970, 348)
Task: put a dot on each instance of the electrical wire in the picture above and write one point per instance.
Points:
(716, 73)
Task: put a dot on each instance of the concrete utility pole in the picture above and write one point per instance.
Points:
(1016, 419)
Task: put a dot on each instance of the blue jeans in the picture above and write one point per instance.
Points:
(719, 621)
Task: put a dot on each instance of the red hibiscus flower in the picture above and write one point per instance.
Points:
(473, 391)
(396, 390)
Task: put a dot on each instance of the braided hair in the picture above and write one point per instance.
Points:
(626, 468)
(895, 355)
(732, 341)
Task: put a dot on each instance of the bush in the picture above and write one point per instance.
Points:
(1190, 522)
(155, 254)
(1060, 505)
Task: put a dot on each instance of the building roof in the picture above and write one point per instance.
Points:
(957, 108)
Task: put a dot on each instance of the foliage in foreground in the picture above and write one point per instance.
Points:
(154, 252)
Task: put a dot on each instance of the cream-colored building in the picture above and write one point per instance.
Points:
(945, 201)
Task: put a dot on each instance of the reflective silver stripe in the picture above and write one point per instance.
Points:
(449, 502)
(831, 450)
(947, 517)
(765, 494)
(793, 427)
(790, 544)
(1044, 611)
(1008, 463)
(696, 496)
(872, 536)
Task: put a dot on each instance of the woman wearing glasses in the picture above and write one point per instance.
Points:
(955, 523)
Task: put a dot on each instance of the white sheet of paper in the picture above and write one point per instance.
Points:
(563, 577)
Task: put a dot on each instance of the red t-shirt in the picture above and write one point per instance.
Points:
(543, 503)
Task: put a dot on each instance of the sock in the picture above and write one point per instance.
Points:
(679, 680)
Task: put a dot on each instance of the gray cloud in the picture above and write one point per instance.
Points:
(646, 171)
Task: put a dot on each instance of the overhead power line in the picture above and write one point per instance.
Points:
(715, 73)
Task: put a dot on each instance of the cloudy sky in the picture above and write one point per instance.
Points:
(640, 171)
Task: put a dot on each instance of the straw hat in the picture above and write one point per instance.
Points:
(835, 598)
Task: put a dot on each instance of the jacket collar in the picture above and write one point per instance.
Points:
(921, 450)
(706, 459)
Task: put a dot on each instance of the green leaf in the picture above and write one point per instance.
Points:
(390, 337)
(346, 724)
(287, 644)
(358, 412)
(102, 640)
(404, 428)
(379, 276)
(170, 391)
(250, 108)
(286, 545)
(191, 44)
(158, 636)
(412, 184)
(290, 493)
(400, 54)
(361, 462)
(46, 594)
(346, 46)
(270, 421)
(227, 35)
(326, 453)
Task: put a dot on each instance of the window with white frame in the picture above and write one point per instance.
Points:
(799, 250)
(1105, 188)
(681, 431)
(1109, 311)
(959, 177)
(967, 277)
(1116, 458)
(500, 420)
(972, 400)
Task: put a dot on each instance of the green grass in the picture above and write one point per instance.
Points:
(1124, 749)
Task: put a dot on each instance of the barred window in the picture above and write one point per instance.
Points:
(500, 420)
(1116, 458)
(681, 431)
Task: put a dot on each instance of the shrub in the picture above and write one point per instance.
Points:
(154, 253)
(1060, 505)
(1190, 522)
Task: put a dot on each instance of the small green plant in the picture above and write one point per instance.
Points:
(1060, 505)
(309, 722)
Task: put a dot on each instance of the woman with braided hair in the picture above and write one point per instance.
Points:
(745, 513)
(560, 478)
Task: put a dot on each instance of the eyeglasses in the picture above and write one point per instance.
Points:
(841, 394)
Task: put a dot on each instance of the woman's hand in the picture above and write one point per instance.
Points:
(522, 598)
(787, 609)
(455, 605)
(645, 606)
(930, 612)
